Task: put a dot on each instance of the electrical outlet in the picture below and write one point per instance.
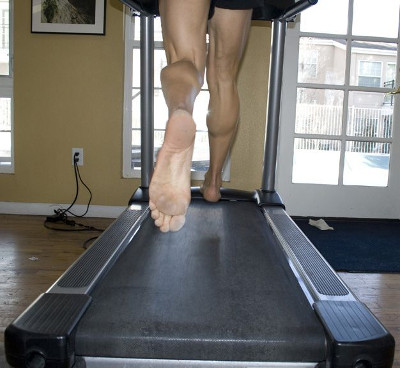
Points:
(77, 154)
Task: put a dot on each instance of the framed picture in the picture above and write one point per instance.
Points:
(68, 16)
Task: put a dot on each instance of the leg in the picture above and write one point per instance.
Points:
(184, 24)
(228, 31)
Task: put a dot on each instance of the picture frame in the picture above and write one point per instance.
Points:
(68, 16)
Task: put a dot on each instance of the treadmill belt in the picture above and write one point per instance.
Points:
(219, 289)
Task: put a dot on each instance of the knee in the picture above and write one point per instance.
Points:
(221, 75)
(221, 80)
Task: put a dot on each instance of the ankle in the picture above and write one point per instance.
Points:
(181, 130)
(213, 179)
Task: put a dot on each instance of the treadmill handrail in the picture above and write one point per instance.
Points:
(275, 92)
(296, 9)
(146, 8)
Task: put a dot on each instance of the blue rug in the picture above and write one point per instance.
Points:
(358, 245)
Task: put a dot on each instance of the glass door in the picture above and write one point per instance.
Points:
(338, 143)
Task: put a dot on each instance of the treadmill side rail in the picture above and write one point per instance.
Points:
(356, 336)
(86, 271)
(43, 336)
(320, 279)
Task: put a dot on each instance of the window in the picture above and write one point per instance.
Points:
(390, 75)
(343, 126)
(6, 129)
(308, 63)
(369, 74)
(131, 144)
(390, 82)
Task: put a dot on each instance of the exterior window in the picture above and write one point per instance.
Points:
(6, 86)
(390, 82)
(131, 144)
(308, 63)
(390, 75)
(343, 123)
(369, 74)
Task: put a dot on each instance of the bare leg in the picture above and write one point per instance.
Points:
(227, 43)
(184, 28)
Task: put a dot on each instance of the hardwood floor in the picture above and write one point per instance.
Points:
(33, 257)
(31, 260)
(381, 294)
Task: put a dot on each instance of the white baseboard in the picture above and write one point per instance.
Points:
(47, 209)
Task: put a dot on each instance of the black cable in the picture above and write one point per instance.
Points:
(68, 226)
(86, 243)
(78, 175)
(61, 227)
(76, 190)
(61, 216)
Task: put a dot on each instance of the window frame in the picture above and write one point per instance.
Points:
(6, 91)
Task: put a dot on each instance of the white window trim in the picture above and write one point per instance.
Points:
(6, 89)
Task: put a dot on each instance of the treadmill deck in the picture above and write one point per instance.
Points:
(219, 289)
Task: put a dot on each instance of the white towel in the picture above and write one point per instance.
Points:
(320, 224)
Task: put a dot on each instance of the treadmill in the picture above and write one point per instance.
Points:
(239, 286)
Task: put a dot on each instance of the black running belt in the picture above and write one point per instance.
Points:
(219, 289)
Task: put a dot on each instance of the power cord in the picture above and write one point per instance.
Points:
(59, 221)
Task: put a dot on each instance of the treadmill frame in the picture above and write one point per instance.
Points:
(354, 337)
(353, 334)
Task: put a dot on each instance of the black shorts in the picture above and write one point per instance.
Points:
(238, 4)
(234, 4)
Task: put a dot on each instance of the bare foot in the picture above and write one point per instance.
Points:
(170, 184)
(211, 188)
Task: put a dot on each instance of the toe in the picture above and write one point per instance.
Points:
(165, 225)
(155, 214)
(152, 205)
(160, 220)
(177, 223)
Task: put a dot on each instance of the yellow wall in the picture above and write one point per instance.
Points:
(248, 151)
(68, 92)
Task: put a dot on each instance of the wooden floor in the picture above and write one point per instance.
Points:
(33, 257)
